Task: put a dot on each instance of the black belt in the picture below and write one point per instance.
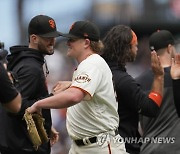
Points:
(89, 140)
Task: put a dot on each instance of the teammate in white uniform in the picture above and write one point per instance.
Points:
(97, 112)
(92, 117)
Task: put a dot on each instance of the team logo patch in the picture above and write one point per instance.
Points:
(72, 26)
(82, 78)
(52, 23)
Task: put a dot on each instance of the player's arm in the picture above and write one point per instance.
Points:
(175, 74)
(153, 101)
(14, 105)
(64, 99)
(156, 92)
(9, 96)
(128, 90)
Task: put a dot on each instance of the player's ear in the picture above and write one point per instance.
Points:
(87, 43)
(34, 38)
(169, 48)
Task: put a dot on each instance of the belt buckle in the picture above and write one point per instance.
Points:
(86, 141)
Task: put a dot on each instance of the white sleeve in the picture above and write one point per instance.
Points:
(87, 77)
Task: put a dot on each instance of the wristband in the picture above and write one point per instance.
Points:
(157, 98)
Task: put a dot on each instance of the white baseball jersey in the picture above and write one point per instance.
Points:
(97, 113)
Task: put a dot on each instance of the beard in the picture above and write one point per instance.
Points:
(44, 49)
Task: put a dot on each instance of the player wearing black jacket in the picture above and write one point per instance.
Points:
(121, 47)
(26, 64)
(9, 96)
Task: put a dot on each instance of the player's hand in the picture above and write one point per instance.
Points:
(34, 109)
(156, 64)
(61, 86)
(54, 137)
(175, 67)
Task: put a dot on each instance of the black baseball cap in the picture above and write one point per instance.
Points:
(44, 26)
(83, 29)
(161, 39)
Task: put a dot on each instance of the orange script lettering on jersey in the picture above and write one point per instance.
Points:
(82, 78)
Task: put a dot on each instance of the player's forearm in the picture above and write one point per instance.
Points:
(64, 99)
(156, 93)
(53, 102)
(158, 85)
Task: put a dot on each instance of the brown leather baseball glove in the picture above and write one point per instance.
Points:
(35, 128)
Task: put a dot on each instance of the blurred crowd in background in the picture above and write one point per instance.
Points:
(143, 16)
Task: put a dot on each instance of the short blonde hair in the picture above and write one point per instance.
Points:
(97, 47)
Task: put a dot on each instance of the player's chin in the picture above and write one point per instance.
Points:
(69, 53)
(50, 51)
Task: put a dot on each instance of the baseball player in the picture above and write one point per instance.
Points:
(9, 96)
(121, 47)
(165, 126)
(26, 62)
(92, 117)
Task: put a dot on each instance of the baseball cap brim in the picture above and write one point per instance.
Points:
(51, 34)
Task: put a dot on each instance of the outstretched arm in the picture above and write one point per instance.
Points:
(156, 93)
(175, 74)
(64, 99)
